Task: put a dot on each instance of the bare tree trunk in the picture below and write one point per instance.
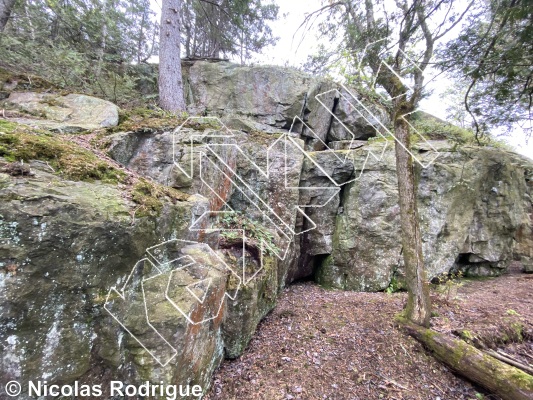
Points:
(170, 78)
(103, 42)
(140, 41)
(418, 308)
(5, 11)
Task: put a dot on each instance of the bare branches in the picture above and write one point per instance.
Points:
(467, 9)
(476, 73)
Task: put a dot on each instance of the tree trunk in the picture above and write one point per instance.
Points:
(5, 11)
(141, 39)
(506, 381)
(418, 308)
(170, 78)
(103, 42)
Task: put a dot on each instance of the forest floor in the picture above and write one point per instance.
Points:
(324, 344)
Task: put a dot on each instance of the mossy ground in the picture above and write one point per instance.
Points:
(158, 120)
(24, 81)
(69, 160)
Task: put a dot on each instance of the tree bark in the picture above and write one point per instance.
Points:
(170, 78)
(418, 308)
(506, 381)
(103, 42)
(5, 12)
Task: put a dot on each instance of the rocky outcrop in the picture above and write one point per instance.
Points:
(274, 96)
(473, 214)
(63, 244)
(262, 184)
(94, 289)
(70, 113)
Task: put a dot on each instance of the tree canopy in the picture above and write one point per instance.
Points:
(492, 59)
(235, 28)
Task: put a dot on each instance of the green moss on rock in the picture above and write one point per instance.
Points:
(68, 159)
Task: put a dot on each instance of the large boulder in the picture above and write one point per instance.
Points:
(258, 176)
(472, 204)
(63, 246)
(70, 113)
(274, 96)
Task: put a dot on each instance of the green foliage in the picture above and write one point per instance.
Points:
(491, 61)
(448, 283)
(229, 28)
(436, 129)
(255, 231)
(81, 45)
(394, 286)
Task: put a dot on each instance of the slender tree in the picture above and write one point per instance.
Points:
(392, 47)
(227, 27)
(170, 78)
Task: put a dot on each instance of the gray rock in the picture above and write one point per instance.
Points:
(278, 96)
(63, 245)
(70, 113)
(351, 117)
(472, 204)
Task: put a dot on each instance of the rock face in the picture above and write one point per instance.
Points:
(63, 245)
(70, 113)
(274, 96)
(93, 292)
(472, 204)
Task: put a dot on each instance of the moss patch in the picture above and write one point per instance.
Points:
(24, 81)
(7, 127)
(66, 158)
(150, 196)
(157, 120)
(146, 120)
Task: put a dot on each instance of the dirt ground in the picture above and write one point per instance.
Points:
(323, 344)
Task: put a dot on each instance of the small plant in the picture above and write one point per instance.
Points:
(255, 232)
(150, 197)
(394, 286)
(449, 283)
(512, 312)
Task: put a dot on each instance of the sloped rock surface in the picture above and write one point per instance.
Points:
(274, 96)
(262, 185)
(70, 113)
(63, 245)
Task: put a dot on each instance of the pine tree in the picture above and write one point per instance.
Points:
(170, 78)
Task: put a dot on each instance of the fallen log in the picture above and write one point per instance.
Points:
(509, 360)
(502, 379)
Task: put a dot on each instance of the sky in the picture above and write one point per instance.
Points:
(296, 43)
